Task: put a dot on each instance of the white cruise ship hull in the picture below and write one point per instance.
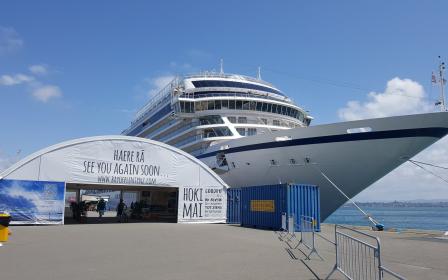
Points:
(352, 154)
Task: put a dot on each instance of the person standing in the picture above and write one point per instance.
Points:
(121, 208)
(101, 206)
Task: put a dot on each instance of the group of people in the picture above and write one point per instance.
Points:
(79, 210)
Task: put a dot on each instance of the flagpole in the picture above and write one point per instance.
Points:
(442, 84)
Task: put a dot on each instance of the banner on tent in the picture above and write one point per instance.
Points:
(33, 202)
(202, 204)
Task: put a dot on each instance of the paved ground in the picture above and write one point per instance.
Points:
(199, 251)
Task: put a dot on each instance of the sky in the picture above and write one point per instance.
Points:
(83, 68)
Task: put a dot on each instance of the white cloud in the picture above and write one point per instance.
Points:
(407, 182)
(11, 80)
(38, 69)
(10, 40)
(401, 97)
(47, 92)
(158, 83)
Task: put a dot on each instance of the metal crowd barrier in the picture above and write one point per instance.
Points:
(284, 228)
(356, 258)
(291, 228)
(307, 235)
(287, 228)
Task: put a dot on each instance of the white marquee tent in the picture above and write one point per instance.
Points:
(127, 161)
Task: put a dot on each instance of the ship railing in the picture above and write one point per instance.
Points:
(188, 140)
(157, 99)
(162, 128)
(178, 131)
(198, 94)
(212, 74)
(358, 255)
(197, 137)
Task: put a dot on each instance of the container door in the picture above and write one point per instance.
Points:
(234, 206)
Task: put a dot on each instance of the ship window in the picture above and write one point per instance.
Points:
(198, 106)
(242, 120)
(251, 131)
(214, 119)
(239, 105)
(288, 111)
(265, 107)
(245, 105)
(292, 161)
(225, 104)
(216, 132)
(269, 107)
(209, 132)
(253, 105)
(241, 131)
(276, 122)
(273, 162)
(217, 104)
(204, 105)
(265, 121)
(211, 105)
(274, 108)
(259, 106)
(182, 106)
(232, 119)
(232, 104)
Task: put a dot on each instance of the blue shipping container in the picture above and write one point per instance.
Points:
(262, 206)
(234, 206)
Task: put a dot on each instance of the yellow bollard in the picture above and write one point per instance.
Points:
(4, 233)
(4, 223)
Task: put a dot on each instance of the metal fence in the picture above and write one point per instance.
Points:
(358, 255)
(291, 228)
(284, 227)
(307, 235)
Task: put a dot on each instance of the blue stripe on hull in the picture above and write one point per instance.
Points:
(437, 132)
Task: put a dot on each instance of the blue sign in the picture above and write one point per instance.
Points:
(33, 202)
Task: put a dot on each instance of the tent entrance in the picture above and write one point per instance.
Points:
(83, 203)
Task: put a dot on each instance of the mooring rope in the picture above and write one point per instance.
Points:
(368, 216)
(419, 164)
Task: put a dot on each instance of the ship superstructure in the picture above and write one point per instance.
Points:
(196, 111)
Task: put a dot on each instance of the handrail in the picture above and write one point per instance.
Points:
(178, 131)
(194, 95)
(229, 76)
(154, 101)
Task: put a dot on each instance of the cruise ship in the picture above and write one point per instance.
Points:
(251, 133)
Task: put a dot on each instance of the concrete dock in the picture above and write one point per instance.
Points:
(197, 251)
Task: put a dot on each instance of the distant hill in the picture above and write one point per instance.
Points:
(409, 203)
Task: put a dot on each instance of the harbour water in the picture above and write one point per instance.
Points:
(395, 216)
